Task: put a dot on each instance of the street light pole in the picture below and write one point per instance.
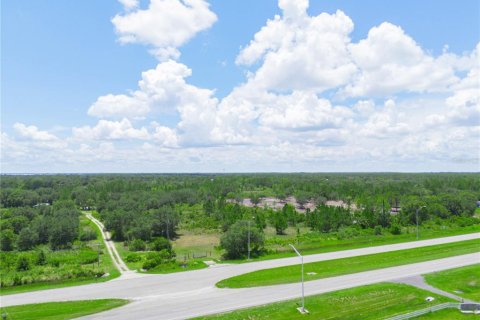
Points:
(248, 239)
(416, 216)
(302, 309)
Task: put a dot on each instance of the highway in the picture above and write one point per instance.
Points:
(193, 293)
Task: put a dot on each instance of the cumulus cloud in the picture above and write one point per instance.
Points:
(300, 52)
(310, 94)
(110, 130)
(165, 24)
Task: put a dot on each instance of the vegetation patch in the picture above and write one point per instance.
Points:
(378, 301)
(463, 282)
(59, 310)
(330, 268)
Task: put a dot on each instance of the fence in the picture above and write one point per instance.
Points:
(196, 255)
(427, 310)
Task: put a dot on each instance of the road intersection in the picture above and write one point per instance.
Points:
(188, 294)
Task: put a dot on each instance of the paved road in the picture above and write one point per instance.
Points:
(183, 295)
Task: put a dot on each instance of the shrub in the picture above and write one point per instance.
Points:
(137, 245)
(41, 258)
(347, 233)
(87, 235)
(377, 230)
(395, 229)
(23, 264)
(133, 257)
(161, 243)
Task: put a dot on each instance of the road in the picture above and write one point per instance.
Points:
(112, 251)
(193, 293)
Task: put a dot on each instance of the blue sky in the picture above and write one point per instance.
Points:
(60, 57)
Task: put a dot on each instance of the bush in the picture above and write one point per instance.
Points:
(41, 258)
(377, 230)
(161, 243)
(23, 264)
(137, 245)
(87, 235)
(133, 257)
(347, 233)
(395, 229)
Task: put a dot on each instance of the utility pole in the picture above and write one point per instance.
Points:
(416, 216)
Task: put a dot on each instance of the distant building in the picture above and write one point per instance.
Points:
(395, 210)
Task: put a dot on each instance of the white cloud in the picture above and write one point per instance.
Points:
(301, 52)
(120, 105)
(391, 61)
(165, 136)
(165, 24)
(32, 132)
(110, 130)
(129, 4)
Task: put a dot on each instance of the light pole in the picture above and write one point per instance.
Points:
(416, 216)
(248, 240)
(302, 309)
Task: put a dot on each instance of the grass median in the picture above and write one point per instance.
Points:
(377, 301)
(59, 310)
(337, 267)
(463, 282)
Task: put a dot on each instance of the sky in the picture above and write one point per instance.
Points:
(240, 86)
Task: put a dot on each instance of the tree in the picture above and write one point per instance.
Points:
(235, 240)
(27, 239)
(279, 222)
(7, 240)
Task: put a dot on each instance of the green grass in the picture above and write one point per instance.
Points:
(378, 301)
(330, 268)
(465, 280)
(313, 242)
(60, 310)
(105, 263)
(447, 314)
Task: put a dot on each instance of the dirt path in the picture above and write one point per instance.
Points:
(117, 260)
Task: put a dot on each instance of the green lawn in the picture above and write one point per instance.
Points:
(106, 265)
(463, 282)
(447, 314)
(378, 301)
(330, 268)
(60, 310)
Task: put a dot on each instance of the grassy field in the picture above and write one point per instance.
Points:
(463, 282)
(330, 268)
(60, 310)
(378, 301)
(69, 259)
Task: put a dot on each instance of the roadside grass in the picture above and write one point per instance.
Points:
(447, 314)
(60, 310)
(106, 265)
(277, 246)
(337, 267)
(463, 282)
(377, 301)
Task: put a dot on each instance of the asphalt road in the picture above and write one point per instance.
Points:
(193, 293)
